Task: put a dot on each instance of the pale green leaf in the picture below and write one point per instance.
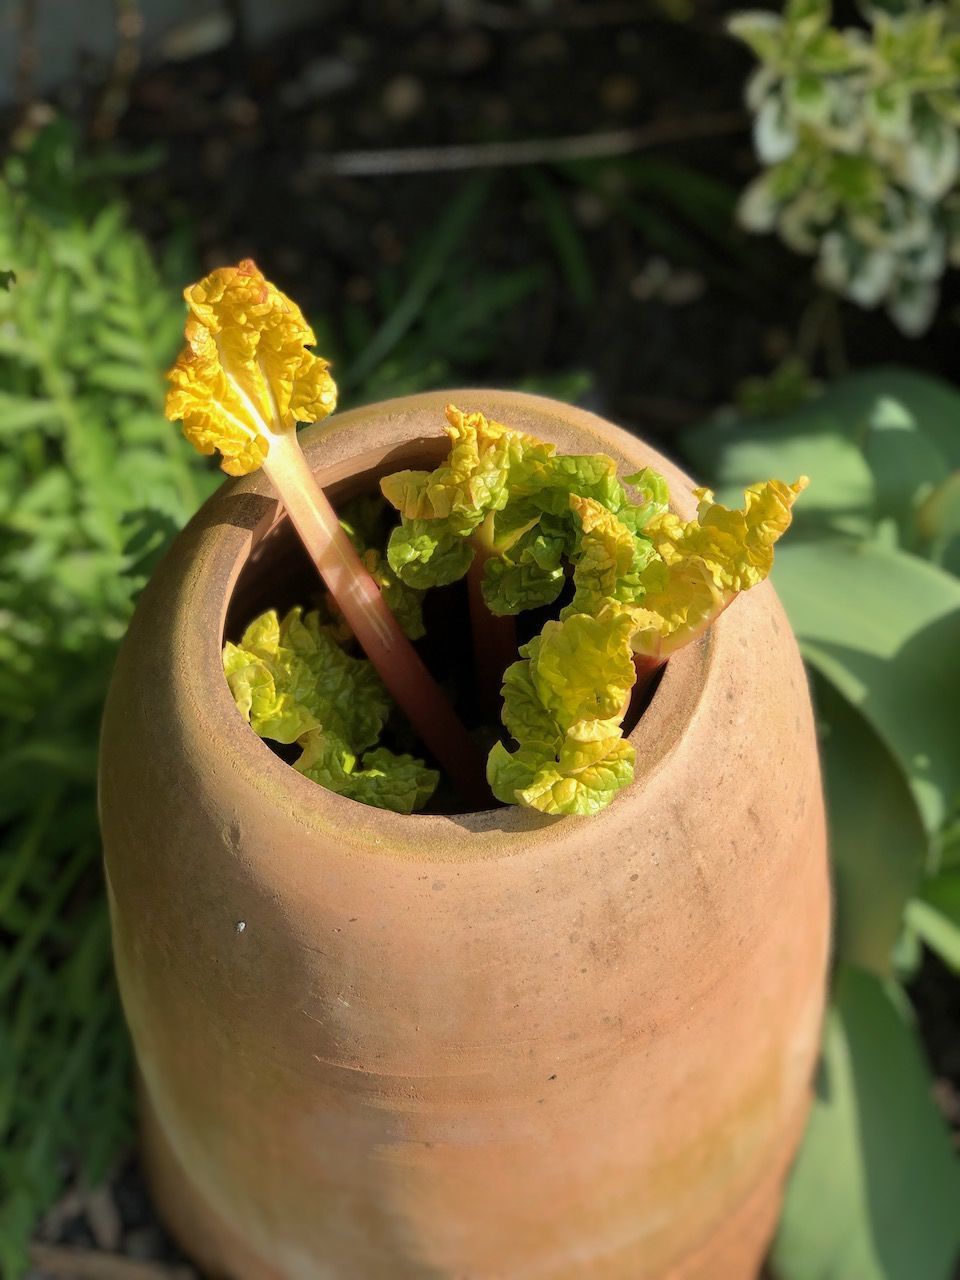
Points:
(877, 841)
(874, 1192)
(884, 627)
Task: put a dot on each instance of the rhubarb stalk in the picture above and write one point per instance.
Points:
(494, 635)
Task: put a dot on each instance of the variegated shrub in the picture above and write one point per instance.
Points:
(858, 130)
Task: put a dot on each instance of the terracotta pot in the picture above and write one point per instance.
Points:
(376, 1047)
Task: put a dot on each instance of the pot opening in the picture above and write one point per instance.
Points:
(278, 574)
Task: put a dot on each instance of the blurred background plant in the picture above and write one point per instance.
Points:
(858, 130)
(601, 262)
(94, 484)
(869, 580)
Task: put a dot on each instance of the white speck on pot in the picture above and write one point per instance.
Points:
(240, 926)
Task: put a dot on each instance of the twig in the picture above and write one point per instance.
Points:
(497, 155)
(501, 17)
(494, 643)
(91, 1264)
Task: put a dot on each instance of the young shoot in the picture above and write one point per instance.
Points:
(240, 385)
(645, 583)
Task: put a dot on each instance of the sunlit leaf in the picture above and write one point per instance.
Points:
(884, 627)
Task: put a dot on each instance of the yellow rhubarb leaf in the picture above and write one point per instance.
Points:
(563, 705)
(485, 464)
(245, 375)
(611, 558)
(704, 563)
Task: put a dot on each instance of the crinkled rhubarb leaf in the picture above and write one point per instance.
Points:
(292, 676)
(245, 374)
(645, 582)
(564, 704)
(582, 667)
(381, 779)
(529, 573)
(425, 554)
(505, 495)
(582, 780)
(654, 498)
(611, 559)
(293, 682)
(701, 565)
(486, 462)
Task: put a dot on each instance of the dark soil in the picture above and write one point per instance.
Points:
(683, 307)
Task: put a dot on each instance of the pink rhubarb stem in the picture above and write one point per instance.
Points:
(646, 668)
(494, 642)
(377, 631)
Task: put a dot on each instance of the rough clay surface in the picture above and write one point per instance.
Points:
(464, 1048)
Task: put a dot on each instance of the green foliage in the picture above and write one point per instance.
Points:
(94, 483)
(869, 581)
(858, 130)
(874, 1193)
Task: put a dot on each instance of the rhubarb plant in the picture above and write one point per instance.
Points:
(626, 581)
(644, 583)
(241, 384)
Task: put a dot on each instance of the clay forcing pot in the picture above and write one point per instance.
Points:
(376, 1047)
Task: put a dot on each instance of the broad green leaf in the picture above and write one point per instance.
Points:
(906, 464)
(938, 522)
(884, 627)
(934, 405)
(935, 915)
(872, 442)
(877, 841)
(874, 1192)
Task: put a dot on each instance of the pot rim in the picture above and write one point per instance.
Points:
(236, 520)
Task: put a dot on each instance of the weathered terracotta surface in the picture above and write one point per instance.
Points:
(463, 1048)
